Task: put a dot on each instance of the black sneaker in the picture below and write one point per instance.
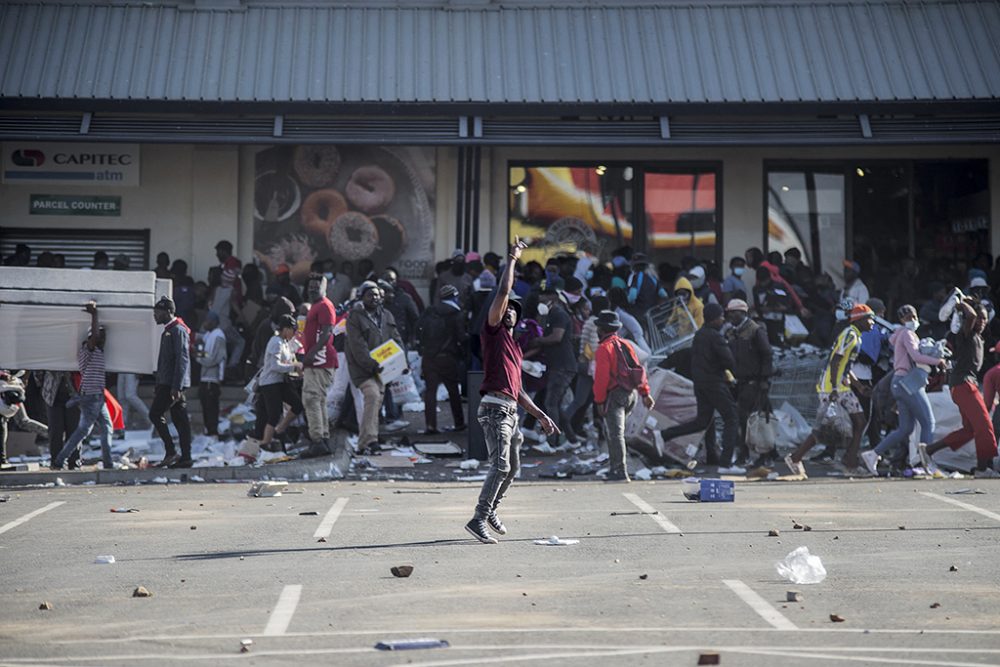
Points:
(477, 528)
(496, 525)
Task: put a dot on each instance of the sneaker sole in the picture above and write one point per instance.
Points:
(487, 540)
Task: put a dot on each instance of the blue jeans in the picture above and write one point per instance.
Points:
(913, 409)
(503, 442)
(93, 412)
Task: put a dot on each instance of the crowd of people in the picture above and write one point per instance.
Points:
(581, 326)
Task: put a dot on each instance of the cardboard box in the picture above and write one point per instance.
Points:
(391, 358)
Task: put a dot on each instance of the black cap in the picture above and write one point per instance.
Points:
(167, 304)
(514, 301)
(286, 322)
(224, 244)
(713, 311)
(608, 319)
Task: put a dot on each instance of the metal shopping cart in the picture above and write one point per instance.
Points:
(796, 372)
(669, 328)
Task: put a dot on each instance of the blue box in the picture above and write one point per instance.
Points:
(717, 491)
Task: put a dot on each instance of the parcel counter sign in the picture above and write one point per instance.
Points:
(71, 164)
(75, 205)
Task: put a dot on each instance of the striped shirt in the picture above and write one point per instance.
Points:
(847, 346)
(91, 370)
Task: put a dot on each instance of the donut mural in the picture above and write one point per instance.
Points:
(346, 203)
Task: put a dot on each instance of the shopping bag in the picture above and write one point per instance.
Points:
(761, 432)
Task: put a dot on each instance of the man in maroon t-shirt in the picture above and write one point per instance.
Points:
(501, 394)
(319, 363)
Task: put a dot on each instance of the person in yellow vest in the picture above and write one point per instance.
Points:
(835, 386)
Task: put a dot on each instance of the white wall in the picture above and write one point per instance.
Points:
(187, 198)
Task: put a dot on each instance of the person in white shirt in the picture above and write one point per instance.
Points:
(212, 357)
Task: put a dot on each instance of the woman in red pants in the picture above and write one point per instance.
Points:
(976, 423)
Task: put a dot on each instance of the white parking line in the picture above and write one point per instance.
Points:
(283, 611)
(326, 525)
(29, 516)
(652, 513)
(965, 506)
(759, 605)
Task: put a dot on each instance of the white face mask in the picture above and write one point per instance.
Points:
(329, 275)
(912, 325)
(543, 309)
(739, 271)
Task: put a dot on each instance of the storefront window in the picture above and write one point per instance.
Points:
(805, 210)
(934, 212)
(592, 209)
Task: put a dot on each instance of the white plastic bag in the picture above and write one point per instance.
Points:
(801, 567)
(404, 389)
(761, 432)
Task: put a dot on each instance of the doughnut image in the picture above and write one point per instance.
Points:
(319, 211)
(353, 236)
(370, 189)
(392, 240)
(294, 251)
(317, 166)
(276, 197)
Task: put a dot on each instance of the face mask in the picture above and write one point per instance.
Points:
(543, 310)
(589, 275)
(912, 325)
(572, 298)
(697, 282)
(328, 275)
(840, 315)
(739, 271)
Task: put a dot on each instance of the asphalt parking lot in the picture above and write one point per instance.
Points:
(913, 570)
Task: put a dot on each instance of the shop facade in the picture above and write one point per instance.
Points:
(701, 144)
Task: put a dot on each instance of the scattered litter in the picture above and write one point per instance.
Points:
(104, 560)
(644, 576)
(401, 571)
(801, 567)
(643, 474)
(308, 513)
(472, 478)
(4, 499)
(46, 606)
(634, 513)
(438, 448)
(797, 526)
(708, 659)
(935, 605)
(807, 528)
(141, 592)
(554, 541)
(793, 596)
(159, 480)
(437, 493)
(966, 492)
(774, 533)
(245, 645)
(953, 568)
(60, 482)
(266, 489)
(837, 618)
(956, 475)
(123, 510)
(902, 527)
(469, 464)
(322, 539)
(410, 644)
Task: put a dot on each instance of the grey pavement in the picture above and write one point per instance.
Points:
(223, 567)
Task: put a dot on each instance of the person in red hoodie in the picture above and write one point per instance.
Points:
(617, 376)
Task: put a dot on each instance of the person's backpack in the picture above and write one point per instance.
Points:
(433, 333)
(630, 373)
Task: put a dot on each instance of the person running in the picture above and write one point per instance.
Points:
(617, 376)
(712, 365)
(173, 376)
(908, 388)
(501, 393)
(93, 411)
(976, 423)
(276, 391)
(836, 385)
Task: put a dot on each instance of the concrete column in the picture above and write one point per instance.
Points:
(214, 204)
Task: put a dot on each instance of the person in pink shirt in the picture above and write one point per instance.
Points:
(908, 388)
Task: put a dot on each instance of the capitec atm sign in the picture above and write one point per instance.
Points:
(71, 164)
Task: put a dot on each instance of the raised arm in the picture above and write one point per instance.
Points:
(499, 306)
(91, 308)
